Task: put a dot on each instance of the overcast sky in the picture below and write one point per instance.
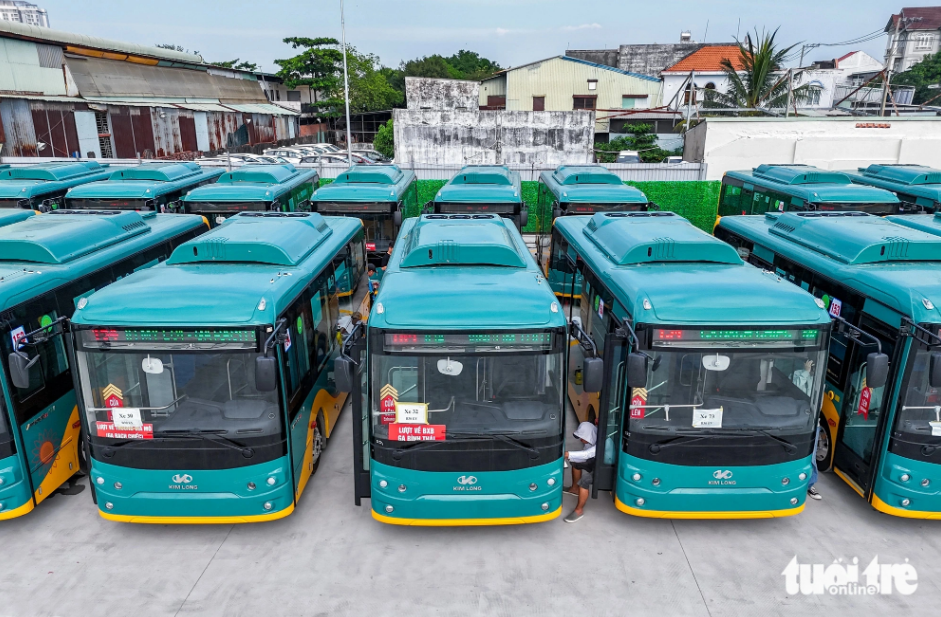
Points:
(510, 32)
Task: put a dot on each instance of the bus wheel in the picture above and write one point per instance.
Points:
(824, 448)
(320, 441)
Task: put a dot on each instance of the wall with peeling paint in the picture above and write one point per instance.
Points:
(460, 137)
(441, 94)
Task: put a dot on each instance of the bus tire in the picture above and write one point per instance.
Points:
(823, 449)
(320, 443)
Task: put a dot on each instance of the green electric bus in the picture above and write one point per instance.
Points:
(483, 189)
(458, 400)
(156, 187)
(711, 390)
(882, 281)
(918, 188)
(580, 189)
(379, 195)
(206, 389)
(42, 187)
(48, 264)
(786, 188)
(253, 188)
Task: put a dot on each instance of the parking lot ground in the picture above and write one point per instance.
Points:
(331, 558)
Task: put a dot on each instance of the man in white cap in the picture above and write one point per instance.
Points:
(583, 464)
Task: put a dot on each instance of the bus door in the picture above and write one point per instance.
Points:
(353, 355)
(863, 412)
(610, 414)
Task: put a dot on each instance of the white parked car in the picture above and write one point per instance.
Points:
(628, 156)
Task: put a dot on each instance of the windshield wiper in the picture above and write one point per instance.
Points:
(504, 438)
(688, 437)
(212, 437)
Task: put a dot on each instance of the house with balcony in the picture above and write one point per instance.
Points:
(914, 34)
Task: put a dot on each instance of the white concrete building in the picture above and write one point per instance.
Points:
(705, 67)
(914, 34)
(844, 143)
(833, 80)
(23, 12)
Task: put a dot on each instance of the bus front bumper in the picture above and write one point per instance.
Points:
(432, 498)
(918, 496)
(15, 499)
(173, 496)
(659, 490)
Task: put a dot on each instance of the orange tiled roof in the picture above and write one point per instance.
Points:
(708, 58)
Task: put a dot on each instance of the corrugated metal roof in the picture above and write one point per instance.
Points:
(611, 68)
(69, 38)
(98, 77)
(261, 108)
(202, 107)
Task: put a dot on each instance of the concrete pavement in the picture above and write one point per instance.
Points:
(332, 558)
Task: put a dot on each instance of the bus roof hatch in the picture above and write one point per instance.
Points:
(157, 172)
(903, 174)
(64, 235)
(631, 238)
(461, 239)
(273, 238)
(800, 174)
(869, 239)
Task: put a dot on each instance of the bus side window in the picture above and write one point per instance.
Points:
(296, 348)
(322, 304)
(50, 370)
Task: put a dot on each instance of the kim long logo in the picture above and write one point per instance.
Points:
(184, 478)
(723, 477)
(467, 480)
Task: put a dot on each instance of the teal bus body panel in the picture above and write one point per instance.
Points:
(209, 493)
(892, 490)
(15, 489)
(687, 489)
(435, 495)
(47, 427)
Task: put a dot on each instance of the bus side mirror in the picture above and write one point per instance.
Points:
(934, 369)
(343, 374)
(592, 374)
(19, 368)
(397, 217)
(877, 370)
(524, 219)
(266, 373)
(636, 370)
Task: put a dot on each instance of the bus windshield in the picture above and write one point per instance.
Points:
(444, 387)
(585, 208)
(110, 204)
(475, 207)
(195, 388)
(376, 216)
(919, 420)
(228, 206)
(723, 381)
(871, 208)
(14, 203)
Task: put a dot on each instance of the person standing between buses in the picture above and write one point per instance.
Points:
(583, 464)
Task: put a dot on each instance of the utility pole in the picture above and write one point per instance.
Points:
(346, 90)
(689, 99)
(790, 90)
(885, 90)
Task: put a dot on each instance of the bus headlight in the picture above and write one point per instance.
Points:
(389, 509)
(383, 484)
(793, 501)
(802, 476)
(656, 482)
(251, 486)
(401, 488)
(271, 481)
(545, 506)
(640, 501)
(925, 482)
(533, 486)
(906, 502)
(636, 477)
(551, 482)
(785, 481)
(100, 480)
(268, 505)
(118, 485)
(905, 477)
(109, 505)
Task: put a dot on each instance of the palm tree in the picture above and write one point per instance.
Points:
(759, 83)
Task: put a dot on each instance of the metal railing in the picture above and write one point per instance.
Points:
(638, 172)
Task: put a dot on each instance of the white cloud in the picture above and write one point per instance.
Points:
(592, 26)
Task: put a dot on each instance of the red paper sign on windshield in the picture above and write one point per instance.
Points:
(387, 407)
(417, 432)
(864, 399)
(638, 413)
(106, 429)
(370, 246)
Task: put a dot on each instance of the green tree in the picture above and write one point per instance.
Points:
(235, 64)
(429, 66)
(924, 74)
(755, 81)
(462, 65)
(370, 89)
(471, 65)
(384, 142)
(319, 67)
(640, 139)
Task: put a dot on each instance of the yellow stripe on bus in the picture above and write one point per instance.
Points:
(882, 506)
(463, 522)
(26, 508)
(707, 515)
(196, 520)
